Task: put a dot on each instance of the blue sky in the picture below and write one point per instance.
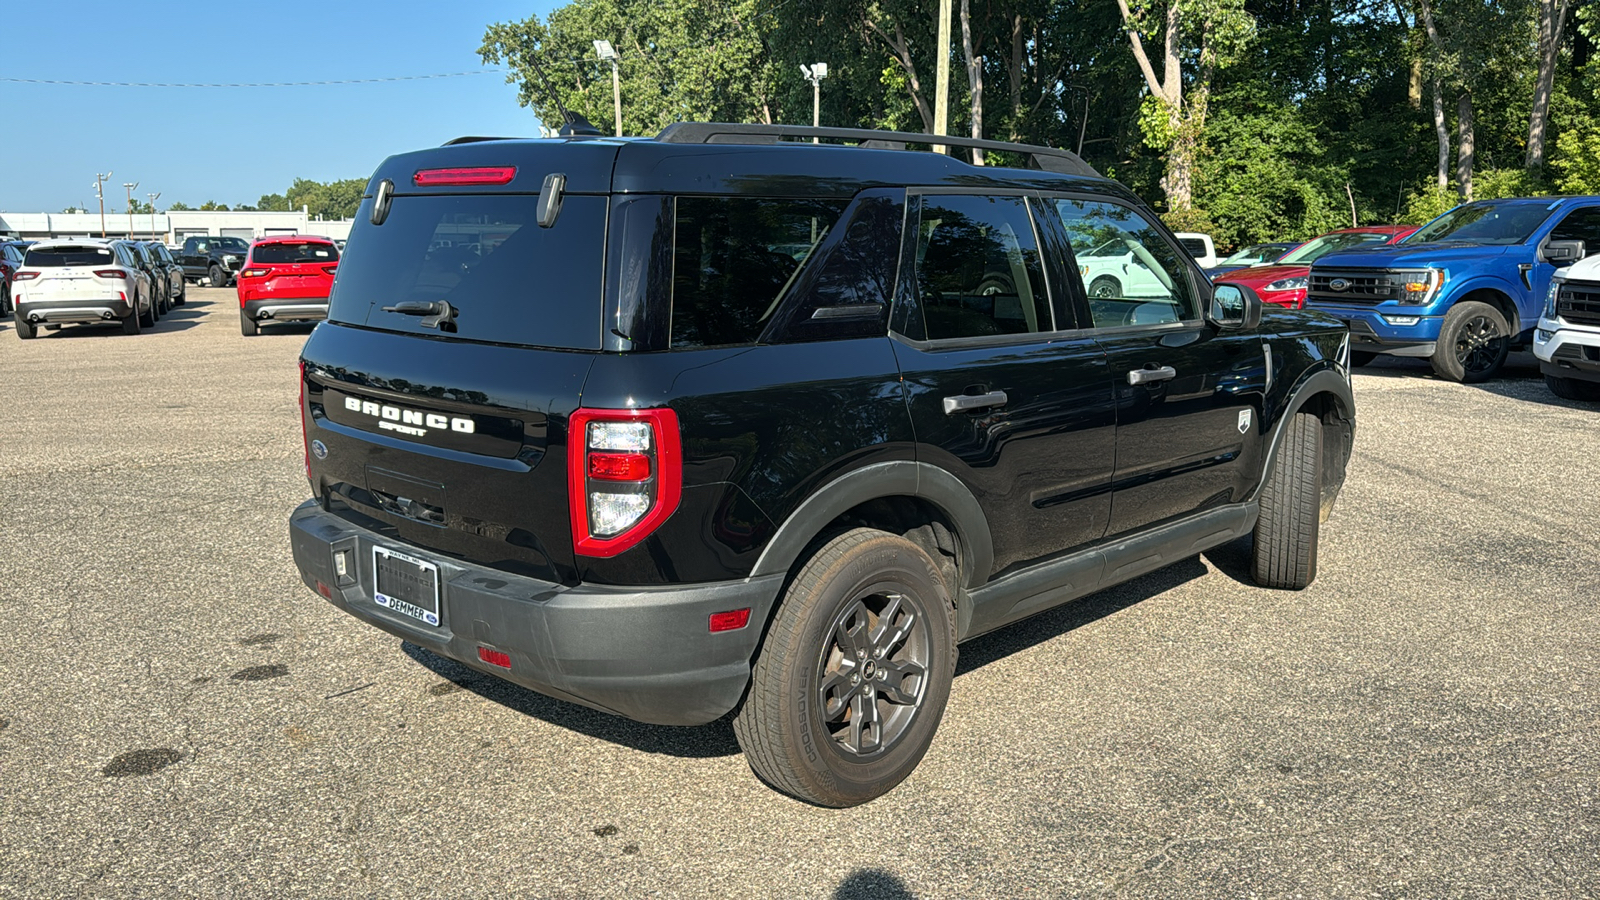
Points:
(234, 144)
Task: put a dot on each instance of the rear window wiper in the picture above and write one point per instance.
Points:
(437, 313)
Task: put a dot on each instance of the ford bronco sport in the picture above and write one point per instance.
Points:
(725, 421)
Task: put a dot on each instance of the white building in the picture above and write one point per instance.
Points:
(169, 227)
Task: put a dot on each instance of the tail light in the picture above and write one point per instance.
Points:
(110, 273)
(624, 476)
(475, 175)
(25, 276)
(330, 269)
(254, 273)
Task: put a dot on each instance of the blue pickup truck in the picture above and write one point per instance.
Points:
(1463, 290)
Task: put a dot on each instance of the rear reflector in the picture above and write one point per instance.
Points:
(480, 175)
(619, 466)
(326, 591)
(495, 657)
(732, 620)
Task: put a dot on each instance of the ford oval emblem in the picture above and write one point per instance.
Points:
(319, 450)
(1338, 284)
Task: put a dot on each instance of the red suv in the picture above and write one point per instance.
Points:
(1284, 282)
(285, 279)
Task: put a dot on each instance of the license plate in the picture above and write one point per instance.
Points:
(405, 584)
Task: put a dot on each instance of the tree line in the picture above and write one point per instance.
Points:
(327, 200)
(1250, 119)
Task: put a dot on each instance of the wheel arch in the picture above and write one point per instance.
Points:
(1495, 295)
(901, 497)
(1324, 392)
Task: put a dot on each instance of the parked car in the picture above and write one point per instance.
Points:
(215, 259)
(1199, 247)
(1567, 339)
(286, 279)
(11, 253)
(159, 289)
(81, 280)
(177, 285)
(638, 452)
(1253, 255)
(1284, 282)
(1463, 291)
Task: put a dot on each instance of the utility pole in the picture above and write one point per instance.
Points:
(609, 54)
(941, 90)
(815, 73)
(130, 185)
(153, 198)
(100, 195)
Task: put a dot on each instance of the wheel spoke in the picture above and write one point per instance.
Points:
(890, 633)
(893, 685)
(866, 729)
(853, 639)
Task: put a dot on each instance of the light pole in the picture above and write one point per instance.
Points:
(941, 90)
(100, 195)
(609, 54)
(815, 73)
(153, 198)
(130, 185)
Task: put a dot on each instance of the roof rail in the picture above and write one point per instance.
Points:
(473, 139)
(1047, 159)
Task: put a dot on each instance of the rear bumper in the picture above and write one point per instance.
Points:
(77, 309)
(287, 309)
(644, 653)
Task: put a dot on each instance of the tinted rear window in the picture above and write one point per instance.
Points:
(307, 252)
(54, 257)
(1195, 246)
(509, 280)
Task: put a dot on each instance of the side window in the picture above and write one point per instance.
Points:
(978, 268)
(1130, 273)
(849, 297)
(1580, 225)
(734, 259)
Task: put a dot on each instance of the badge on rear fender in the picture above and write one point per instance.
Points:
(1244, 421)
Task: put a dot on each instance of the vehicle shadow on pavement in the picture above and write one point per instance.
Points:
(996, 645)
(715, 739)
(872, 884)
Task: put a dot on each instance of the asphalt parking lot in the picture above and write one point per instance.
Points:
(179, 716)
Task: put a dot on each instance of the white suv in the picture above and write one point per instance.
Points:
(1567, 339)
(69, 280)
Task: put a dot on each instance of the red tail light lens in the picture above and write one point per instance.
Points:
(331, 269)
(732, 620)
(495, 657)
(25, 276)
(110, 273)
(479, 175)
(254, 273)
(624, 476)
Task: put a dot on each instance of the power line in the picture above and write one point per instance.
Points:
(247, 84)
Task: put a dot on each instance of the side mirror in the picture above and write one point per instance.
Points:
(1234, 307)
(1562, 253)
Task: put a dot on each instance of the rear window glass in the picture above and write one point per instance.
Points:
(734, 258)
(307, 252)
(1195, 246)
(508, 279)
(54, 257)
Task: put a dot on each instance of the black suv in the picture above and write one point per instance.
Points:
(725, 421)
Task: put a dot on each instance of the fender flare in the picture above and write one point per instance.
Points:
(1491, 282)
(901, 478)
(1326, 380)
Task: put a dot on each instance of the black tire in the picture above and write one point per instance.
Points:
(183, 293)
(1287, 530)
(5, 300)
(25, 329)
(1473, 342)
(1105, 288)
(218, 277)
(155, 307)
(1572, 388)
(130, 325)
(1359, 358)
(799, 726)
(247, 325)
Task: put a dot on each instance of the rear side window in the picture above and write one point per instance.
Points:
(734, 259)
(286, 253)
(978, 268)
(508, 279)
(56, 257)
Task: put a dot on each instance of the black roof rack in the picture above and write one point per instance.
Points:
(473, 139)
(1046, 159)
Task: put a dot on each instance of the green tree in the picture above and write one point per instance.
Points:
(213, 206)
(330, 200)
(273, 202)
(178, 206)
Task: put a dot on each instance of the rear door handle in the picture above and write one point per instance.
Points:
(1151, 375)
(969, 402)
